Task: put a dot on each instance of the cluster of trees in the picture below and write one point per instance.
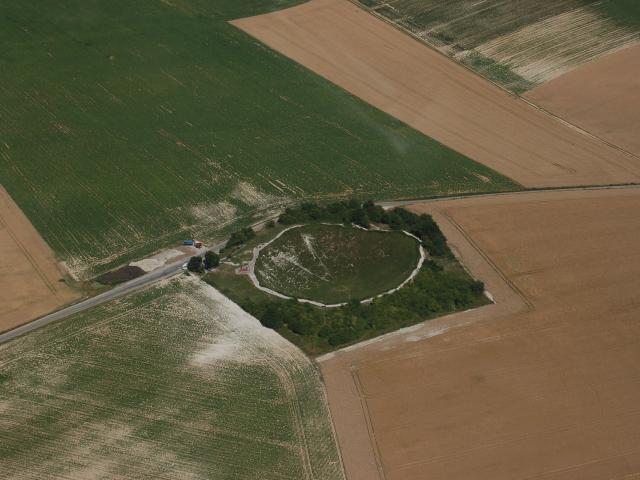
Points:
(351, 211)
(199, 265)
(422, 226)
(433, 292)
(211, 260)
(364, 214)
(239, 237)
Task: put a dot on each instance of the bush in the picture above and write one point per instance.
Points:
(339, 338)
(359, 217)
(373, 211)
(300, 325)
(211, 260)
(344, 212)
(195, 265)
(324, 331)
(240, 237)
(363, 214)
(477, 287)
(271, 317)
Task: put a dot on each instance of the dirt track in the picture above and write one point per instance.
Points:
(428, 91)
(29, 273)
(542, 385)
(601, 97)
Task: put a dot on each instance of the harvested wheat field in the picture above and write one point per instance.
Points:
(543, 384)
(601, 97)
(403, 77)
(30, 278)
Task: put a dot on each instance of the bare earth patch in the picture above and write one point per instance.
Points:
(601, 97)
(434, 95)
(542, 385)
(30, 283)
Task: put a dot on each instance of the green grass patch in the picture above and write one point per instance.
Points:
(334, 264)
(127, 126)
(174, 382)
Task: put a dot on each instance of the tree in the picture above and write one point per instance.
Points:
(300, 325)
(211, 260)
(373, 211)
(339, 338)
(360, 218)
(393, 220)
(272, 317)
(195, 265)
(477, 287)
(240, 237)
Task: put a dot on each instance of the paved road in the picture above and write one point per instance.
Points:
(176, 267)
(118, 291)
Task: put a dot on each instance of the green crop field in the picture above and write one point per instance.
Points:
(333, 264)
(125, 126)
(174, 382)
(518, 43)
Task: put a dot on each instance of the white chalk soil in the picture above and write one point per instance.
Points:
(161, 259)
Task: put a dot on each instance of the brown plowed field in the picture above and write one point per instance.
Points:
(544, 384)
(602, 97)
(29, 273)
(403, 77)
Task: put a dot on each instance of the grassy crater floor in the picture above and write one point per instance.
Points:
(335, 263)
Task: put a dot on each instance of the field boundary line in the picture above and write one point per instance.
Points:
(367, 416)
(580, 130)
(334, 433)
(516, 96)
(32, 261)
(492, 264)
(464, 196)
(289, 387)
(520, 437)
